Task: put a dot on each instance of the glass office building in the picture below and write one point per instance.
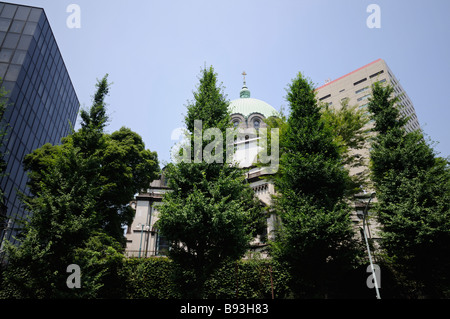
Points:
(42, 103)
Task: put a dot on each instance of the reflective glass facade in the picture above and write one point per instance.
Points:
(41, 101)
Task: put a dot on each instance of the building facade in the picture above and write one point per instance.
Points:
(355, 87)
(41, 100)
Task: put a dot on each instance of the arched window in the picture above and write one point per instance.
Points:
(235, 123)
(257, 123)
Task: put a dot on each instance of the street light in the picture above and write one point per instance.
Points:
(368, 248)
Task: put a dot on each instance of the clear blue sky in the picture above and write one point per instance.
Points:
(154, 51)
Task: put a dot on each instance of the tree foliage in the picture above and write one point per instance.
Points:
(413, 192)
(211, 213)
(315, 242)
(349, 124)
(80, 191)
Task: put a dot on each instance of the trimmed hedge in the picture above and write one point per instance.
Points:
(156, 278)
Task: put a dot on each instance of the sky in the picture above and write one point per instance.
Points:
(153, 52)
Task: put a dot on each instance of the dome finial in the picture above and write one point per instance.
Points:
(245, 93)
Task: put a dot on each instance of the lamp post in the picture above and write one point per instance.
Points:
(368, 248)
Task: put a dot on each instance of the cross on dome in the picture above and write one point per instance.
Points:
(245, 92)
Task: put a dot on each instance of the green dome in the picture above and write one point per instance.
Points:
(247, 105)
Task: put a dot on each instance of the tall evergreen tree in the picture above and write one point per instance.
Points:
(315, 241)
(79, 202)
(211, 213)
(413, 190)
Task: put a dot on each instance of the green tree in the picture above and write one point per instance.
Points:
(413, 190)
(118, 164)
(349, 123)
(211, 213)
(79, 204)
(316, 239)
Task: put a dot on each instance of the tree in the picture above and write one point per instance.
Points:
(211, 213)
(349, 123)
(316, 240)
(413, 190)
(80, 192)
(118, 165)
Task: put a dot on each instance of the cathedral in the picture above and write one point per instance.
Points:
(247, 114)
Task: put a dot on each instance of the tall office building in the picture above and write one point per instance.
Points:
(41, 99)
(356, 88)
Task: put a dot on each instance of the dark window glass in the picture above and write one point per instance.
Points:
(19, 57)
(2, 36)
(360, 81)
(9, 86)
(11, 40)
(5, 55)
(22, 13)
(8, 11)
(24, 42)
(13, 73)
(17, 26)
(4, 24)
(30, 28)
(35, 14)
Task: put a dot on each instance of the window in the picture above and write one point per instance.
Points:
(362, 90)
(4, 24)
(378, 73)
(17, 26)
(5, 55)
(24, 42)
(365, 97)
(360, 81)
(30, 28)
(13, 73)
(325, 97)
(9, 11)
(11, 40)
(19, 57)
(235, 123)
(257, 123)
(22, 13)
(35, 14)
(162, 245)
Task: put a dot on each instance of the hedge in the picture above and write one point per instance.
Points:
(156, 278)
